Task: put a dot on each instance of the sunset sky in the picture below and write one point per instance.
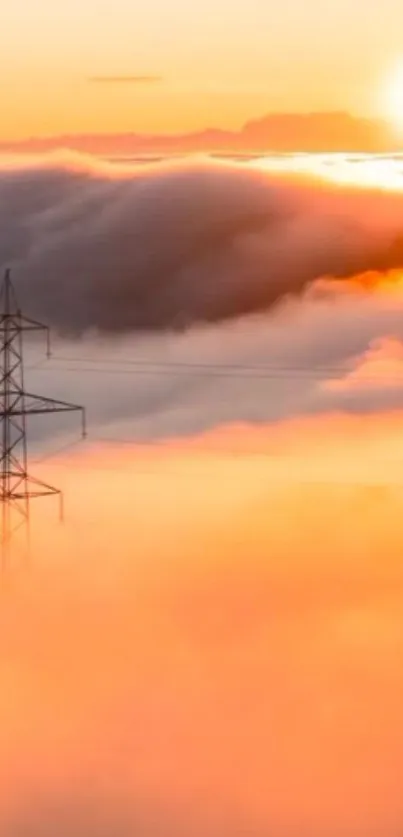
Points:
(220, 62)
(212, 643)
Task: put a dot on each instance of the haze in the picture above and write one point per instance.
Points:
(191, 67)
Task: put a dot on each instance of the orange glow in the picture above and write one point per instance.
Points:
(369, 171)
(393, 96)
(240, 660)
(381, 366)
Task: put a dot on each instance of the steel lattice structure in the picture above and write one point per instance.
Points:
(17, 486)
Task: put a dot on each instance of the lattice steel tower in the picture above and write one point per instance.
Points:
(17, 486)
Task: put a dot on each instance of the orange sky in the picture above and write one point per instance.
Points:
(219, 63)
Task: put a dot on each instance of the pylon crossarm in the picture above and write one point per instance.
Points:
(51, 403)
(41, 489)
(28, 324)
(38, 404)
(33, 495)
(10, 326)
(17, 487)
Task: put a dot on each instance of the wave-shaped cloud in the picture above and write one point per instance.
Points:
(165, 247)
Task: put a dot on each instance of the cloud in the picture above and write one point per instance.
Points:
(125, 79)
(275, 132)
(168, 246)
(321, 353)
(208, 323)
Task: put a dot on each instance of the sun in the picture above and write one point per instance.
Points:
(393, 97)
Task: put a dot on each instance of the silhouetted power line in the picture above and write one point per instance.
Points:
(155, 368)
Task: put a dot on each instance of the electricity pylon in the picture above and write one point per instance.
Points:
(17, 486)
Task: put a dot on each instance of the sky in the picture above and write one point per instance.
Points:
(216, 63)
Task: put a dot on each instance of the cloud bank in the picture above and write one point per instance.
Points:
(170, 246)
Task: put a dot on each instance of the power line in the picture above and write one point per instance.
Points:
(195, 365)
(214, 371)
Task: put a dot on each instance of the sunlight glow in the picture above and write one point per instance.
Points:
(365, 171)
(394, 97)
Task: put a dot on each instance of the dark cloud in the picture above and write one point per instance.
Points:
(166, 247)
